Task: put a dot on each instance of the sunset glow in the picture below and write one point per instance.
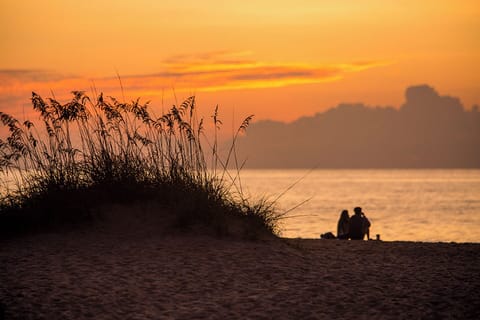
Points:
(276, 59)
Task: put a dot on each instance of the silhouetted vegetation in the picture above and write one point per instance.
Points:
(89, 153)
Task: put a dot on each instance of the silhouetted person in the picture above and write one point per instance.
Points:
(366, 226)
(343, 225)
(359, 225)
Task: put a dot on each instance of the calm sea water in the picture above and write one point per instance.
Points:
(414, 205)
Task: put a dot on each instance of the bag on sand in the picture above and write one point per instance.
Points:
(327, 235)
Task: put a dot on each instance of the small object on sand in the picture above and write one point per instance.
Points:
(378, 237)
(327, 235)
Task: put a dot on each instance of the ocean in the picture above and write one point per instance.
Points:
(412, 205)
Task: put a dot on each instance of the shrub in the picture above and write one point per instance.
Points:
(91, 152)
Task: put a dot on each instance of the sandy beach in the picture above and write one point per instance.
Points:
(113, 275)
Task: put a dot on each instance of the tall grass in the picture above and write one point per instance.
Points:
(89, 152)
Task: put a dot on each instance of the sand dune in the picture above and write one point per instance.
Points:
(105, 275)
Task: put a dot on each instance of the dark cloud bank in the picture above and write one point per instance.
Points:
(428, 131)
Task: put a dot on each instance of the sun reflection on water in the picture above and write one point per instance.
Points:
(414, 205)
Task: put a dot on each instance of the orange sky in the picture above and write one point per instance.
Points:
(275, 59)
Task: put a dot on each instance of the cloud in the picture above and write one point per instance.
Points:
(428, 131)
(226, 71)
(228, 57)
(19, 83)
(213, 71)
(16, 86)
(205, 72)
(30, 75)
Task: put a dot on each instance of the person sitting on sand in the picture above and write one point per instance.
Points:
(343, 225)
(366, 226)
(359, 225)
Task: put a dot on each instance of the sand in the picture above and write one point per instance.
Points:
(97, 275)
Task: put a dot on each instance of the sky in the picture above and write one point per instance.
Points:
(278, 60)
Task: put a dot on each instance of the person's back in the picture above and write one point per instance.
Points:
(356, 227)
(343, 225)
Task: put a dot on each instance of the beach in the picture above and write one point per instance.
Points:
(105, 274)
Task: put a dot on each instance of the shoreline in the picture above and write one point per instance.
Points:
(386, 241)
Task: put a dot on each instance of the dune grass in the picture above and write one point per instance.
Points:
(92, 152)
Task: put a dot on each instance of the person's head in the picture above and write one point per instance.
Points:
(357, 210)
(344, 214)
